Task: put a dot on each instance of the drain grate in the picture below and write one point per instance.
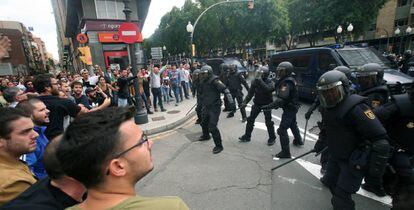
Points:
(158, 118)
(173, 112)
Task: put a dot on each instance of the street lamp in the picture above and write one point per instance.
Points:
(339, 31)
(190, 29)
(408, 32)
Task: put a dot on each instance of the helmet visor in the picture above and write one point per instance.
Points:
(203, 76)
(366, 80)
(281, 72)
(330, 95)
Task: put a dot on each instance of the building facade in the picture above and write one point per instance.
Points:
(100, 21)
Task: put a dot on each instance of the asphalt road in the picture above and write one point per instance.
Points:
(240, 177)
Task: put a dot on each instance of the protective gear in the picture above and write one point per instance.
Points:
(283, 70)
(376, 96)
(232, 68)
(229, 97)
(370, 75)
(332, 87)
(195, 75)
(345, 70)
(377, 164)
(234, 83)
(206, 72)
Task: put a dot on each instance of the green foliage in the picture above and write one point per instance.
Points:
(231, 25)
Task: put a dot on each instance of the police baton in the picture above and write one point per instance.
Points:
(287, 162)
(306, 129)
(191, 109)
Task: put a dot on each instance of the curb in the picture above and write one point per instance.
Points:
(170, 126)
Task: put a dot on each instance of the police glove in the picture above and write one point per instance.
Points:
(308, 115)
(319, 146)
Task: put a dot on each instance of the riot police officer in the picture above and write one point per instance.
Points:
(370, 84)
(322, 135)
(223, 77)
(235, 80)
(398, 118)
(350, 127)
(196, 93)
(287, 99)
(261, 89)
(210, 89)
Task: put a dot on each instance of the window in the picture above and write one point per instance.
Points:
(109, 9)
(301, 62)
(401, 22)
(402, 3)
(326, 62)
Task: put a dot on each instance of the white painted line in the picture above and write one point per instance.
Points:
(262, 126)
(314, 169)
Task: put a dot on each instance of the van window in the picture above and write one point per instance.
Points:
(301, 62)
(325, 61)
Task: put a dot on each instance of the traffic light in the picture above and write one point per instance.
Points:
(86, 57)
(250, 4)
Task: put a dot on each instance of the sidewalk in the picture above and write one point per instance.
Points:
(173, 117)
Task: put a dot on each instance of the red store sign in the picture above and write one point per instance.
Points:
(107, 25)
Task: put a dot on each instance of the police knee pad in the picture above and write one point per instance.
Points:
(381, 146)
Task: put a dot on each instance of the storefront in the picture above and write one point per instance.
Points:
(114, 51)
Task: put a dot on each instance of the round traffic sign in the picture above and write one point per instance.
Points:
(82, 38)
(129, 33)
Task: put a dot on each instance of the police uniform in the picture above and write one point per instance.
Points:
(398, 119)
(223, 77)
(261, 89)
(350, 126)
(235, 80)
(287, 99)
(196, 93)
(210, 89)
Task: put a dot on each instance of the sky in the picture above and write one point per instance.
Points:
(39, 15)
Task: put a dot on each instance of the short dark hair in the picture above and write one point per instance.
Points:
(27, 105)
(50, 160)
(9, 94)
(76, 83)
(88, 143)
(41, 82)
(7, 116)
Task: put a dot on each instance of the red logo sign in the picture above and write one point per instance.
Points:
(129, 33)
(82, 38)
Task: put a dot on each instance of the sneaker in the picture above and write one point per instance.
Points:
(204, 138)
(163, 110)
(217, 149)
(244, 119)
(283, 154)
(377, 190)
(244, 139)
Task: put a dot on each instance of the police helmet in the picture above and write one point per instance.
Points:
(344, 70)
(224, 68)
(332, 88)
(195, 75)
(284, 69)
(205, 73)
(262, 72)
(232, 68)
(369, 75)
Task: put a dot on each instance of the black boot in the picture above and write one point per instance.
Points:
(283, 154)
(297, 142)
(204, 137)
(271, 141)
(284, 143)
(217, 149)
(244, 119)
(271, 132)
(244, 138)
(377, 190)
(230, 115)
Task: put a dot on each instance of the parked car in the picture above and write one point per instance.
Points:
(311, 63)
(216, 62)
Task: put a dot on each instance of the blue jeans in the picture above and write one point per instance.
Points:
(176, 90)
(122, 102)
(165, 94)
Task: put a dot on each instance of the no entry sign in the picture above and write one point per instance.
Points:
(129, 33)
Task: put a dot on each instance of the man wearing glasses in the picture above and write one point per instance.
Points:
(110, 160)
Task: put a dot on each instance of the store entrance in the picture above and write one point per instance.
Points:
(116, 59)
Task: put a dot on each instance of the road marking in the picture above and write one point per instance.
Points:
(314, 169)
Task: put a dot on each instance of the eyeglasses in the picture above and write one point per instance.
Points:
(144, 139)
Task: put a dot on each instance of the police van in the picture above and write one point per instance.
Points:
(309, 64)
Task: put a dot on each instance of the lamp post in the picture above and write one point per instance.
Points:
(164, 52)
(397, 32)
(408, 32)
(141, 116)
(190, 29)
(350, 28)
(339, 31)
